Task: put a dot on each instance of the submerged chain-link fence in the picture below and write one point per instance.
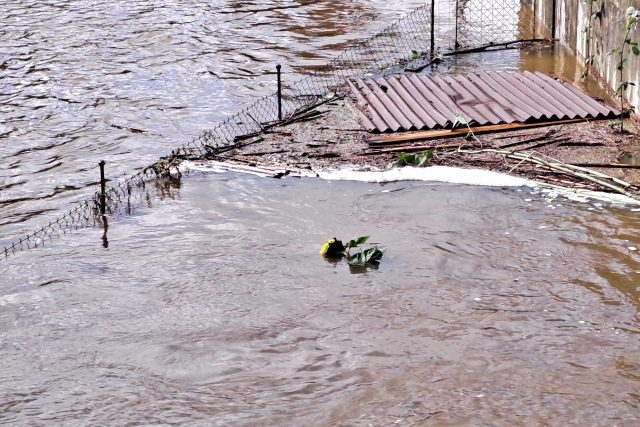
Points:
(413, 38)
(468, 24)
(481, 22)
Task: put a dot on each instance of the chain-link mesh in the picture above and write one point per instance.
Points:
(410, 39)
(481, 22)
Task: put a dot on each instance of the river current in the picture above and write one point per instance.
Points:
(211, 304)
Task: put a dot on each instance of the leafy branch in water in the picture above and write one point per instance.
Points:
(335, 249)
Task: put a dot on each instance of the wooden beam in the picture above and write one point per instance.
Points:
(453, 133)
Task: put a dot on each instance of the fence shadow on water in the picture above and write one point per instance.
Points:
(416, 37)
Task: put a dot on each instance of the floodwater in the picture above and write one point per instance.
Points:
(212, 306)
(129, 81)
(491, 307)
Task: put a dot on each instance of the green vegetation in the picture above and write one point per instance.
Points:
(632, 17)
(409, 159)
(589, 57)
(335, 249)
(626, 48)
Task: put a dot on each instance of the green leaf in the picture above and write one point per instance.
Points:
(424, 158)
(459, 121)
(635, 50)
(370, 256)
(622, 87)
(357, 242)
(357, 260)
(362, 240)
(404, 159)
(373, 255)
(414, 54)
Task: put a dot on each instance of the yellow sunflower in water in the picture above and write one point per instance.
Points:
(332, 248)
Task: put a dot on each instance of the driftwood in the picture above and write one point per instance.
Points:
(609, 182)
(492, 46)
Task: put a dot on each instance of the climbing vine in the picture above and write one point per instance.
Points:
(587, 29)
(632, 16)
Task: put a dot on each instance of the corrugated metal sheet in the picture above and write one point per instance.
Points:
(419, 102)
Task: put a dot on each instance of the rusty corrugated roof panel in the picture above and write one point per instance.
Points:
(419, 102)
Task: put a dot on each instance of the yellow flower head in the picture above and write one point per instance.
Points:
(332, 248)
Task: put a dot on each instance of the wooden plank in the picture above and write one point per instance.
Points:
(449, 133)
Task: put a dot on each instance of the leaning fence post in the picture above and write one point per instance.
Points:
(103, 202)
(279, 70)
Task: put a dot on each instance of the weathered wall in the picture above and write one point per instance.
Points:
(571, 16)
(543, 10)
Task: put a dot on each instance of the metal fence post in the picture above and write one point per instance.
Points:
(433, 25)
(455, 44)
(553, 17)
(103, 202)
(279, 69)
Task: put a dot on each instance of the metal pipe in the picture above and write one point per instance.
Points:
(103, 202)
(279, 70)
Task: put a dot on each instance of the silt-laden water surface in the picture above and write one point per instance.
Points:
(213, 307)
(210, 305)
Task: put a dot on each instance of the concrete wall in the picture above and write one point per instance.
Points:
(571, 16)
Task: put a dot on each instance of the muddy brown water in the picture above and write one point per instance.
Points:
(491, 307)
(212, 306)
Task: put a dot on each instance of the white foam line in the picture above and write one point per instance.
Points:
(432, 173)
(447, 174)
(471, 177)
